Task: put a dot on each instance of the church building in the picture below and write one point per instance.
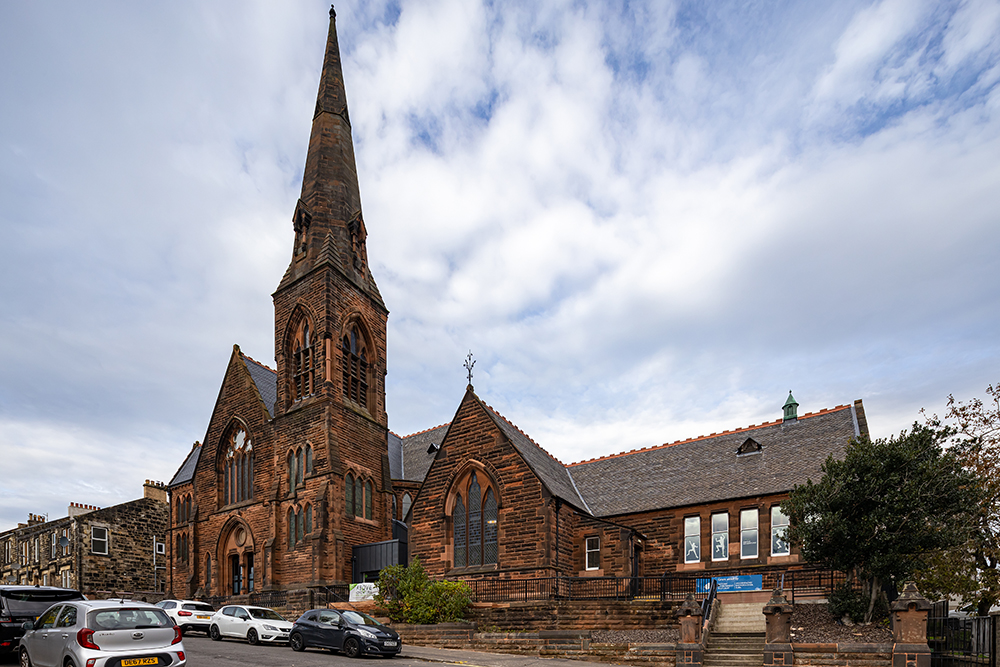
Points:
(299, 483)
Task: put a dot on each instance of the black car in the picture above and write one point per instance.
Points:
(26, 603)
(349, 631)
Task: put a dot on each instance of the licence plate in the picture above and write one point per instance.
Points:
(203, 618)
(134, 662)
(390, 643)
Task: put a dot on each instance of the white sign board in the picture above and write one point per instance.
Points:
(364, 591)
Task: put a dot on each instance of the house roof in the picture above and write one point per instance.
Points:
(708, 469)
(266, 381)
(410, 456)
(547, 468)
(185, 473)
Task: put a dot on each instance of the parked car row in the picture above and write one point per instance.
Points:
(75, 632)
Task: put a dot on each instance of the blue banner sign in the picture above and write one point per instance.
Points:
(733, 584)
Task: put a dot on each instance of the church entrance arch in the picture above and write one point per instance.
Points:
(236, 559)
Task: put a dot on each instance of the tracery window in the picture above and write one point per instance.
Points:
(360, 496)
(299, 464)
(354, 367)
(299, 524)
(475, 523)
(237, 470)
(303, 362)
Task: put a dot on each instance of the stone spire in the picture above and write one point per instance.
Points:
(329, 227)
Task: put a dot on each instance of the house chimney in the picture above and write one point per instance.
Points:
(155, 490)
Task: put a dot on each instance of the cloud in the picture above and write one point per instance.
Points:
(648, 221)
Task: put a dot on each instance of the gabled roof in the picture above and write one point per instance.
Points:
(185, 473)
(549, 471)
(709, 469)
(410, 457)
(266, 381)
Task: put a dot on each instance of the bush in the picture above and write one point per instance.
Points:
(846, 601)
(407, 596)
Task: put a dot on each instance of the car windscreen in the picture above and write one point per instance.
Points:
(357, 618)
(264, 614)
(198, 606)
(29, 602)
(127, 618)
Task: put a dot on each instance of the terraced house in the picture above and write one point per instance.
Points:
(299, 484)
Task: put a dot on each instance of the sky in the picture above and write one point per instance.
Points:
(647, 221)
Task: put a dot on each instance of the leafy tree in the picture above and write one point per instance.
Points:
(408, 596)
(879, 512)
(972, 569)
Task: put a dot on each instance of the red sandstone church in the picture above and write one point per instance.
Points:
(299, 483)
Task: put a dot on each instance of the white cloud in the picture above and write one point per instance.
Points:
(648, 222)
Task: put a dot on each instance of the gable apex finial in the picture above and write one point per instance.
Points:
(333, 12)
(469, 363)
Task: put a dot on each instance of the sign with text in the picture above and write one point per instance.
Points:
(364, 591)
(733, 584)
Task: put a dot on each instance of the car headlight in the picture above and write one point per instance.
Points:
(366, 634)
(270, 627)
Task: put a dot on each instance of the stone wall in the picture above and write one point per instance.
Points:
(573, 615)
(128, 565)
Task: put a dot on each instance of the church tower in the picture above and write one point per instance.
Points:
(330, 350)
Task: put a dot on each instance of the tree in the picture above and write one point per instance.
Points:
(972, 569)
(879, 512)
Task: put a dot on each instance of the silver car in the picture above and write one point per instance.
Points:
(102, 633)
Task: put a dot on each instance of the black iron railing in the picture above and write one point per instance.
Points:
(960, 641)
(809, 583)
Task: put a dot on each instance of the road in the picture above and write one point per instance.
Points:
(203, 652)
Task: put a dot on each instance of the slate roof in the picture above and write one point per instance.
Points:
(185, 473)
(266, 381)
(412, 460)
(707, 469)
(550, 471)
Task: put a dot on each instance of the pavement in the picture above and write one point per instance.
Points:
(480, 659)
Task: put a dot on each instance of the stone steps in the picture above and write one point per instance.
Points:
(741, 618)
(735, 649)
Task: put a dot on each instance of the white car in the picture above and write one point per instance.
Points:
(189, 614)
(255, 624)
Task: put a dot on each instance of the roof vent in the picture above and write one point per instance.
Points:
(749, 446)
(791, 408)
(433, 448)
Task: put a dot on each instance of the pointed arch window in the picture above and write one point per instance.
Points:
(290, 524)
(405, 509)
(354, 367)
(475, 522)
(460, 532)
(303, 362)
(349, 494)
(237, 470)
(359, 497)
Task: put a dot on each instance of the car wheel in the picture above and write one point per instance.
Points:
(352, 647)
(296, 642)
(215, 634)
(69, 663)
(252, 637)
(25, 659)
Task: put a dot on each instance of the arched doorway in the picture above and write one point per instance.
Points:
(235, 569)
